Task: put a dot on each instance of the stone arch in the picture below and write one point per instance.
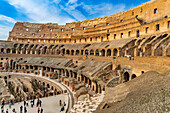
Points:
(67, 73)
(91, 52)
(52, 88)
(86, 52)
(109, 52)
(44, 50)
(11, 63)
(97, 52)
(2, 50)
(43, 83)
(39, 52)
(126, 76)
(13, 50)
(67, 52)
(72, 52)
(82, 52)
(8, 50)
(48, 85)
(63, 51)
(102, 52)
(77, 52)
(115, 52)
(133, 76)
(58, 51)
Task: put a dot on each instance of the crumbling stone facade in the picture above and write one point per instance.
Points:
(91, 55)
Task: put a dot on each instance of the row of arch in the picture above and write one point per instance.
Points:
(96, 52)
(59, 73)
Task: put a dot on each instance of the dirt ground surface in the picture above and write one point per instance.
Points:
(147, 93)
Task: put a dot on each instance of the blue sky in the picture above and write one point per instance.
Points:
(57, 11)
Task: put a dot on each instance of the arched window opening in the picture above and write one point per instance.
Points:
(97, 52)
(126, 76)
(133, 76)
(108, 52)
(91, 52)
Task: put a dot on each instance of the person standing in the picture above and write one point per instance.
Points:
(7, 111)
(21, 109)
(27, 102)
(10, 105)
(60, 103)
(40, 102)
(25, 110)
(33, 102)
(41, 110)
(38, 110)
(24, 102)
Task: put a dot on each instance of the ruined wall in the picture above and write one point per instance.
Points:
(141, 20)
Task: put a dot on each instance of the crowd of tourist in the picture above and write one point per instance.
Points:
(23, 108)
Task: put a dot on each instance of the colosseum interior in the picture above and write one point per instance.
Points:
(102, 61)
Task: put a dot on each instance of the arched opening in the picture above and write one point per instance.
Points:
(67, 52)
(97, 52)
(133, 76)
(102, 52)
(8, 50)
(14, 50)
(48, 86)
(39, 52)
(92, 52)
(63, 51)
(126, 76)
(86, 52)
(115, 52)
(58, 51)
(44, 50)
(77, 52)
(72, 52)
(2, 50)
(108, 52)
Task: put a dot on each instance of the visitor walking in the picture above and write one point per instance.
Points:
(14, 110)
(21, 108)
(38, 110)
(40, 102)
(60, 103)
(41, 110)
(27, 102)
(24, 102)
(25, 110)
(10, 105)
(7, 111)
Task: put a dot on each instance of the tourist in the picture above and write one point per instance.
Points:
(10, 105)
(33, 102)
(24, 102)
(7, 111)
(14, 110)
(27, 102)
(40, 102)
(12, 102)
(64, 104)
(3, 102)
(60, 103)
(2, 109)
(62, 109)
(25, 110)
(21, 109)
(41, 110)
(38, 110)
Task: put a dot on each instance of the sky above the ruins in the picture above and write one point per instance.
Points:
(57, 11)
